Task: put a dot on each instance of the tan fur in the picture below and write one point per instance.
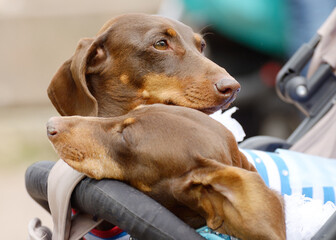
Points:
(160, 87)
(145, 94)
(128, 121)
(198, 38)
(171, 32)
(124, 79)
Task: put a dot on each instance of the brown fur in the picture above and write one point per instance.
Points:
(185, 160)
(119, 69)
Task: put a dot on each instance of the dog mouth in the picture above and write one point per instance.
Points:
(212, 110)
(222, 106)
(207, 110)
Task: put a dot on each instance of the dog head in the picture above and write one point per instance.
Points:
(140, 59)
(148, 136)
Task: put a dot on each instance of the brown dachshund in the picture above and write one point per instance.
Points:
(140, 59)
(180, 157)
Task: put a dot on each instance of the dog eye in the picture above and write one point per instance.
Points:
(203, 45)
(161, 45)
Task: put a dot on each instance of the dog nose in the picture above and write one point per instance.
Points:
(52, 126)
(227, 87)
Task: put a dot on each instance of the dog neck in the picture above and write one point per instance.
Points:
(114, 98)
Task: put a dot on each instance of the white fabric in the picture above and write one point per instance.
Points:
(230, 123)
(305, 216)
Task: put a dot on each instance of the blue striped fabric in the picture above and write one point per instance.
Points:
(260, 166)
(329, 193)
(307, 191)
(284, 176)
(291, 172)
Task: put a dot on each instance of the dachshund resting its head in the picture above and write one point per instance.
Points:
(180, 157)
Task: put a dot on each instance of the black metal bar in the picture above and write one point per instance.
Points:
(115, 202)
(294, 66)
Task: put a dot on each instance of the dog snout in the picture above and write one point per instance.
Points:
(53, 126)
(227, 87)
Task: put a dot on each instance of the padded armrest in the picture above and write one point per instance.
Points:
(264, 143)
(115, 202)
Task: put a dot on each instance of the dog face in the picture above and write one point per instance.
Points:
(201, 177)
(91, 144)
(140, 59)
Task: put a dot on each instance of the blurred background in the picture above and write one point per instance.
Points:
(252, 39)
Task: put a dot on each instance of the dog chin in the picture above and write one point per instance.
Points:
(212, 110)
(206, 110)
(226, 106)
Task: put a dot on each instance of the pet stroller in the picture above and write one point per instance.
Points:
(142, 217)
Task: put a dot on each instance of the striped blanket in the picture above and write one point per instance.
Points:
(291, 172)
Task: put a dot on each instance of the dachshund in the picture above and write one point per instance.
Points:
(180, 157)
(138, 59)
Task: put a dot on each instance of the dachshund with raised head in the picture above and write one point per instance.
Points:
(140, 59)
(180, 157)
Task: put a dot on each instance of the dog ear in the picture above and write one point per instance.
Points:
(233, 201)
(244, 163)
(68, 90)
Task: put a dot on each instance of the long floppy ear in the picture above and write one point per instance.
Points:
(68, 90)
(233, 201)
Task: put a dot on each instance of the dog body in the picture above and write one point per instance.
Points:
(180, 157)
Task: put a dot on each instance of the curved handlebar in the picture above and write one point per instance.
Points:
(115, 202)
